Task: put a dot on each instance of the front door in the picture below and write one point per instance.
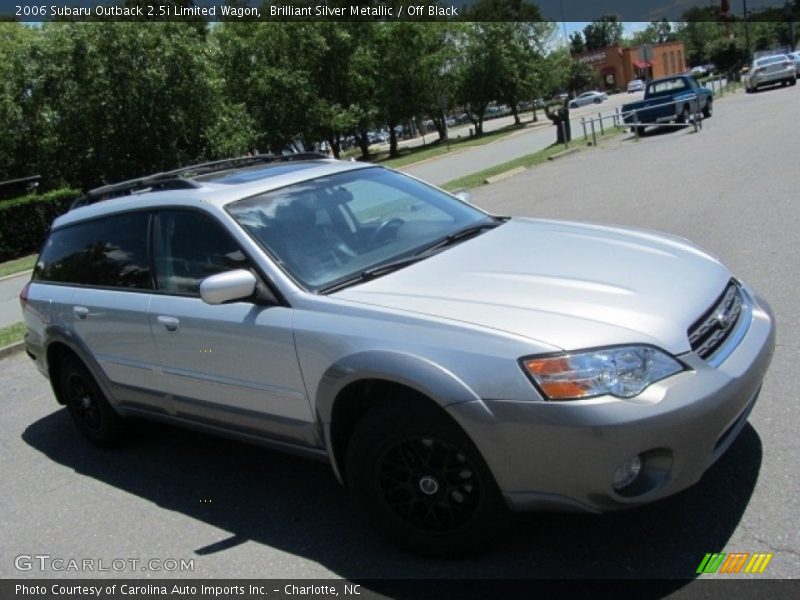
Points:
(232, 365)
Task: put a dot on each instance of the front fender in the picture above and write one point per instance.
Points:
(428, 378)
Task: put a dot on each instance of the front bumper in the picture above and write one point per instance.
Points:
(563, 455)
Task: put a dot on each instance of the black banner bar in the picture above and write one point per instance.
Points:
(416, 589)
(388, 10)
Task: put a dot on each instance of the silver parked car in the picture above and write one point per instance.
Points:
(770, 70)
(795, 57)
(635, 85)
(446, 362)
(585, 98)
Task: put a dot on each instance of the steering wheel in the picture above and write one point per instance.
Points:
(384, 229)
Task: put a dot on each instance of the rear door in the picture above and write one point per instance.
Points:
(231, 365)
(105, 263)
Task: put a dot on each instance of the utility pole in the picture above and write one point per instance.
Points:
(746, 32)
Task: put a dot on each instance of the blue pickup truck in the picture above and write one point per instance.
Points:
(669, 100)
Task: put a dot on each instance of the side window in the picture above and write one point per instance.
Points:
(107, 252)
(188, 247)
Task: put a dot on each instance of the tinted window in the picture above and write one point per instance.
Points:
(188, 247)
(108, 252)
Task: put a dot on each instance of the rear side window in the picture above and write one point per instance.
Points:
(107, 252)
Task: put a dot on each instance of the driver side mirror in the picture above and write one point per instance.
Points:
(229, 286)
(464, 196)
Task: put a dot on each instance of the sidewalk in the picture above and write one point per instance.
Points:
(10, 287)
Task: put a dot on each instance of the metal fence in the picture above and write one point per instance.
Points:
(618, 119)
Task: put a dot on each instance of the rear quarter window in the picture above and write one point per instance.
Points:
(107, 252)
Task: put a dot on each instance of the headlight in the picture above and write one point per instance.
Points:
(622, 371)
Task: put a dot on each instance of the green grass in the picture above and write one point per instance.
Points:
(12, 333)
(409, 156)
(433, 149)
(529, 160)
(18, 265)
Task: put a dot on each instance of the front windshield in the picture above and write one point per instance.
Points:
(332, 228)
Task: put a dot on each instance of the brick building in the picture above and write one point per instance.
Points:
(617, 65)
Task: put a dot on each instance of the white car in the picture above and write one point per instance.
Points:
(637, 85)
(795, 56)
(588, 98)
(769, 70)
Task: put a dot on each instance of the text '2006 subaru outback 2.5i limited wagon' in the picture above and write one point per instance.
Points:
(447, 363)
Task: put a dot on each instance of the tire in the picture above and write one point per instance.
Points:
(638, 129)
(684, 116)
(87, 405)
(421, 481)
(793, 82)
(597, 101)
(708, 109)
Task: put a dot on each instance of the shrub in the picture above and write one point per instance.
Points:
(25, 221)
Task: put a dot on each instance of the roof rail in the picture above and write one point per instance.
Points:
(181, 179)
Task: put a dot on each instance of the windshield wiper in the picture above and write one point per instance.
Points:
(388, 267)
(461, 235)
(372, 273)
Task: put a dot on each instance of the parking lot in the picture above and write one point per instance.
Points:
(239, 511)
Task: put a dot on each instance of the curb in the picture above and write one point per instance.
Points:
(566, 152)
(13, 275)
(12, 349)
(504, 175)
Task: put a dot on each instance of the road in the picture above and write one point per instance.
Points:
(239, 511)
(527, 141)
(9, 299)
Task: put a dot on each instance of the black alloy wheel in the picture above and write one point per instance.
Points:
(421, 481)
(87, 405)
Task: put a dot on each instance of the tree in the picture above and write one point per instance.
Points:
(603, 32)
(505, 11)
(581, 76)
(480, 50)
(576, 43)
(657, 32)
(402, 72)
(110, 101)
(20, 120)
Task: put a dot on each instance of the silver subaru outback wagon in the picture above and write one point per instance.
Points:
(449, 364)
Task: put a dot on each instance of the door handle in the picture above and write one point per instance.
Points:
(80, 311)
(169, 323)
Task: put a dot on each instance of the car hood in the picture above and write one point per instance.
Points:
(568, 285)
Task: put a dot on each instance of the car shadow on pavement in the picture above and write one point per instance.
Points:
(659, 130)
(296, 506)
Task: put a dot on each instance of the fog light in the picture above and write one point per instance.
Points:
(627, 473)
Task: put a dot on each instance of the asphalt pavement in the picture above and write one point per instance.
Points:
(526, 141)
(239, 511)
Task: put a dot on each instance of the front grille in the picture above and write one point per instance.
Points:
(711, 330)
